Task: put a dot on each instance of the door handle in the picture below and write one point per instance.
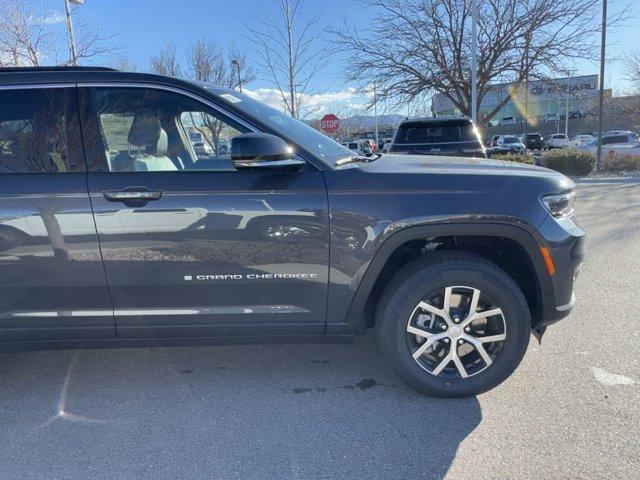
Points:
(132, 195)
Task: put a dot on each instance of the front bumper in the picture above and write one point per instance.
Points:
(566, 242)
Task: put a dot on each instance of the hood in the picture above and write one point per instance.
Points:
(416, 188)
(441, 173)
(433, 164)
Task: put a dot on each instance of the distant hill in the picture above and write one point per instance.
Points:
(365, 122)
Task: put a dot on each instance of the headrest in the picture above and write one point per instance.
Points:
(161, 147)
(146, 132)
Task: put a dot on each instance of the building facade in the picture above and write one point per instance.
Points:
(554, 96)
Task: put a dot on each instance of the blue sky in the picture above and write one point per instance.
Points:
(145, 25)
(149, 23)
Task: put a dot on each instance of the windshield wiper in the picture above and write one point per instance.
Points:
(358, 158)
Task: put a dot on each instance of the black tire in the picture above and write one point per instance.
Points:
(413, 282)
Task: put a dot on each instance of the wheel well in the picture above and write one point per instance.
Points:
(506, 253)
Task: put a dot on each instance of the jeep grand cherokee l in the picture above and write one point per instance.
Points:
(113, 229)
(444, 135)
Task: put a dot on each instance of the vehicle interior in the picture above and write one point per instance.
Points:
(146, 131)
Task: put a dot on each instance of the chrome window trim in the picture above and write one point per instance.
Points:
(33, 86)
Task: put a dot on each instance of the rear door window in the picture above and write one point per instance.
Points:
(39, 131)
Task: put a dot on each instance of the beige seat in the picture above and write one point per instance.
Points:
(150, 138)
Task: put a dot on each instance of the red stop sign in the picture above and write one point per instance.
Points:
(329, 123)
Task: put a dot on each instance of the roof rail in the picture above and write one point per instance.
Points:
(70, 68)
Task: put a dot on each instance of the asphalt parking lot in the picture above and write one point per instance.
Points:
(571, 410)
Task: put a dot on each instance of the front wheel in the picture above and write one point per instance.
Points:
(453, 325)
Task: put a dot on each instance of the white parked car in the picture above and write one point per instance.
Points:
(580, 140)
(620, 142)
(551, 117)
(202, 149)
(360, 147)
(508, 121)
(508, 144)
(557, 140)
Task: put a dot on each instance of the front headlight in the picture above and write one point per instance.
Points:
(559, 205)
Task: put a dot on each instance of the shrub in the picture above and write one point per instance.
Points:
(515, 157)
(571, 162)
(621, 162)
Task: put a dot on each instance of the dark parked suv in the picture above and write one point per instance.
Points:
(113, 229)
(533, 141)
(444, 136)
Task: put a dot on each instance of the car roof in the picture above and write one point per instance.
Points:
(439, 119)
(80, 74)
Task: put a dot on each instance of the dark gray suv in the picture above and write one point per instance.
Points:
(113, 229)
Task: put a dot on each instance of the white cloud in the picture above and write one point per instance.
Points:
(316, 104)
(54, 18)
(270, 96)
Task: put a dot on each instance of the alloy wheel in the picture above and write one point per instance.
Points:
(456, 332)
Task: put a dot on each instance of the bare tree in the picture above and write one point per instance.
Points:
(210, 62)
(92, 41)
(289, 50)
(25, 39)
(632, 69)
(29, 39)
(166, 62)
(424, 45)
(123, 63)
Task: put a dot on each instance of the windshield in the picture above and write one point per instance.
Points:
(510, 140)
(286, 126)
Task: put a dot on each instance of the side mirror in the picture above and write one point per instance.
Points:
(262, 150)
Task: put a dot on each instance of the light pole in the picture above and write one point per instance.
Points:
(237, 64)
(375, 110)
(603, 45)
(72, 41)
(526, 85)
(566, 115)
(474, 61)
(568, 73)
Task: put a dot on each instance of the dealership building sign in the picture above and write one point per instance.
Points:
(585, 85)
(545, 96)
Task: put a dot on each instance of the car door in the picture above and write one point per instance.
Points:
(192, 246)
(52, 282)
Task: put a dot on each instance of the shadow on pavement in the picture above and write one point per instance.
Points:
(271, 411)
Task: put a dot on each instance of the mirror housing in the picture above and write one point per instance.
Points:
(262, 150)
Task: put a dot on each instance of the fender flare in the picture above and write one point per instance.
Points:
(525, 239)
